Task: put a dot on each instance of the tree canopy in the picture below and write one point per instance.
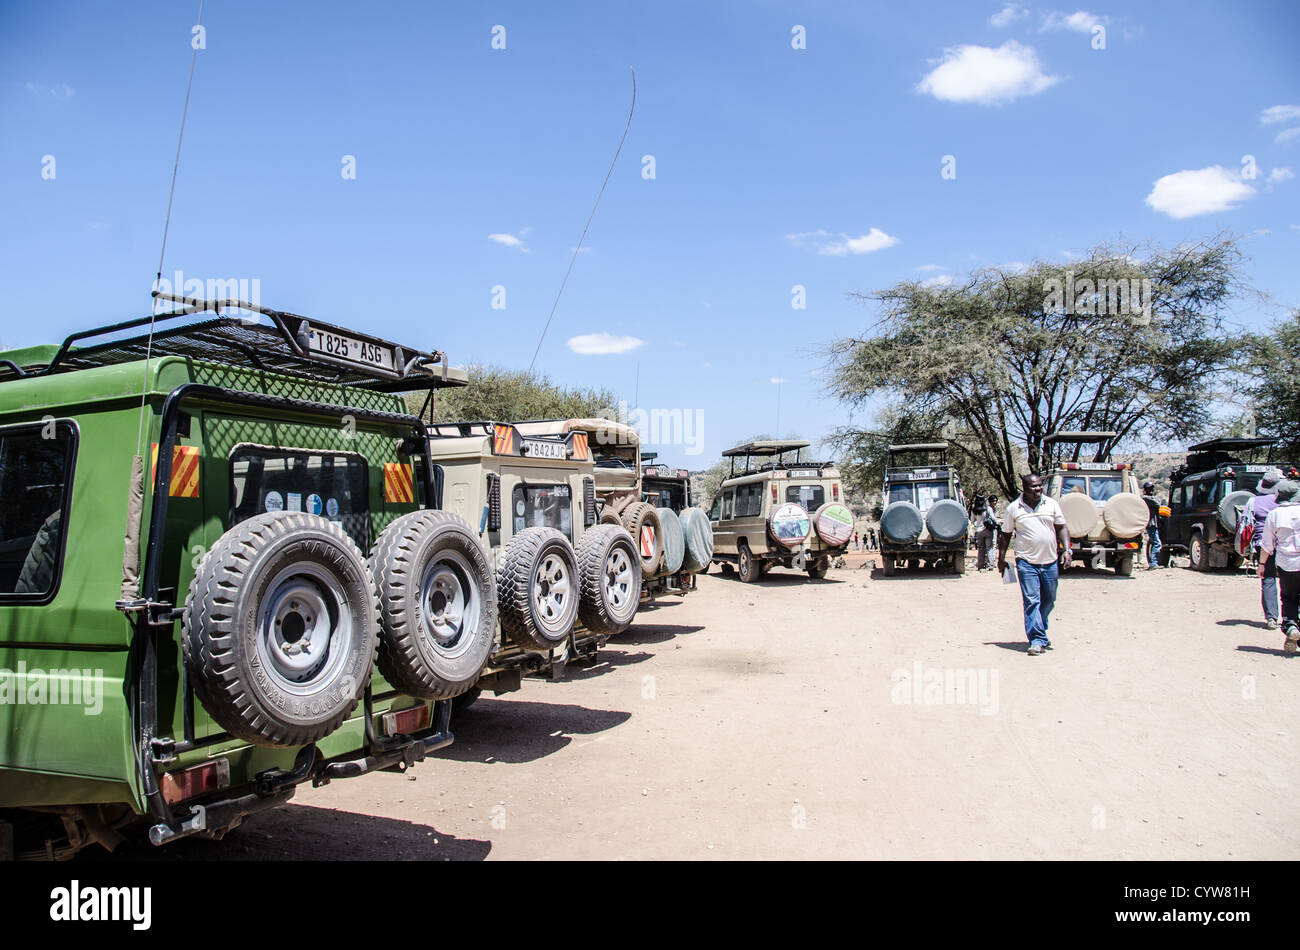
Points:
(1131, 340)
(1275, 366)
(509, 395)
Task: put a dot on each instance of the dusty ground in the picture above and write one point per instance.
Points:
(769, 721)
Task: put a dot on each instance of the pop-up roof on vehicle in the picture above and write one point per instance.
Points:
(1229, 450)
(774, 449)
(1054, 443)
(291, 344)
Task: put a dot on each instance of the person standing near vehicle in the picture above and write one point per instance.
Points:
(1153, 524)
(1038, 526)
(1258, 509)
(989, 524)
(1281, 543)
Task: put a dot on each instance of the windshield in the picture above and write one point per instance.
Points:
(1097, 487)
(921, 494)
(810, 497)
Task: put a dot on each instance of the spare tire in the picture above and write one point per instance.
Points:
(901, 522)
(1126, 515)
(279, 629)
(610, 516)
(642, 522)
(674, 542)
(437, 603)
(697, 539)
(947, 520)
(1229, 508)
(537, 588)
(789, 524)
(610, 571)
(1081, 513)
(833, 524)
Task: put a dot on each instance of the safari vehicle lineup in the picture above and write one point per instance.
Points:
(778, 510)
(924, 519)
(1101, 500)
(565, 583)
(232, 643)
(1206, 495)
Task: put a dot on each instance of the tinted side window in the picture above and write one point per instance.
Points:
(333, 485)
(716, 511)
(1204, 493)
(34, 481)
(728, 501)
(543, 506)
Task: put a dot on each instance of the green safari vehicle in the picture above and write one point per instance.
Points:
(190, 626)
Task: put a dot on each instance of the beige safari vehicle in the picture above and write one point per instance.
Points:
(673, 545)
(778, 509)
(924, 521)
(1101, 500)
(565, 583)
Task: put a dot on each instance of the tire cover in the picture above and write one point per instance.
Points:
(1231, 507)
(834, 524)
(901, 522)
(947, 520)
(1081, 513)
(697, 538)
(673, 540)
(1126, 515)
(789, 524)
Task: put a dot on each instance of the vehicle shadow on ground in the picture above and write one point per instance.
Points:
(786, 577)
(304, 832)
(515, 731)
(1267, 651)
(907, 574)
(585, 668)
(654, 633)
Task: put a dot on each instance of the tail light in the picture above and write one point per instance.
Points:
(588, 502)
(1070, 466)
(835, 491)
(190, 783)
(494, 502)
(774, 493)
(406, 721)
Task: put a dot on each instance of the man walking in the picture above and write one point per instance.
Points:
(1153, 524)
(1281, 543)
(987, 535)
(1038, 526)
(1257, 509)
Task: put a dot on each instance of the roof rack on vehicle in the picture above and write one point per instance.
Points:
(766, 447)
(292, 344)
(1229, 444)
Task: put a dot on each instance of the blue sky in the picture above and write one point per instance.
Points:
(774, 167)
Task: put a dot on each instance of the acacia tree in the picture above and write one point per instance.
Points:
(1276, 388)
(1127, 339)
(509, 395)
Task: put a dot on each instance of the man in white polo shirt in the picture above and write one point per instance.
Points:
(1038, 526)
(1281, 542)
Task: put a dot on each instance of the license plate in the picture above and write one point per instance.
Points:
(803, 473)
(544, 450)
(344, 347)
(1096, 466)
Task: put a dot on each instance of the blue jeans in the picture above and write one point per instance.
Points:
(1038, 591)
(1268, 587)
(1153, 545)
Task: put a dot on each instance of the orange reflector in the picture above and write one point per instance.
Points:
(398, 486)
(1165, 511)
(406, 721)
(208, 777)
(185, 470)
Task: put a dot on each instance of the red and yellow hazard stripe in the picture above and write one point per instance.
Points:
(580, 450)
(503, 440)
(185, 471)
(398, 485)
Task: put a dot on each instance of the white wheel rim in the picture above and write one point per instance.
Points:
(618, 581)
(449, 604)
(551, 589)
(305, 630)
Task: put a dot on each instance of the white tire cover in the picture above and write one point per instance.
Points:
(1126, 515)
(834, 524)
(674, 541)
(697, 535)
(1230, 508)
(789, 524)
(1081, 513)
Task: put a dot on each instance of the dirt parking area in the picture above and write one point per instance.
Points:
(859, 717)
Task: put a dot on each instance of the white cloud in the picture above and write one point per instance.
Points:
(778, 380)
(873, 240)
(927, 267)
(1008, 15)
(509, 240)
(1280, 174)
(60, 90)
(602, 344)
(1287, 135)
(942, 280)
(1186, 194)
(985, 75)
(1017, 267)
(1080, 21)
(1275, 114)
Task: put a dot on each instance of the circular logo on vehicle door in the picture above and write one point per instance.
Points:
(332, 507)
(274, 501)
(314, 504)
(790, 524)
